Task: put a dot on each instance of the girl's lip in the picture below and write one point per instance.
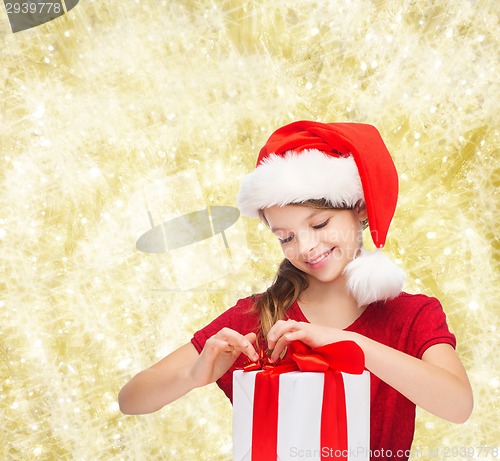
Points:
(320, 261)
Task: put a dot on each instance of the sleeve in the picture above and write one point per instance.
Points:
(239, 318)
(429, 327)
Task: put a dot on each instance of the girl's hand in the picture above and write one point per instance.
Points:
(183, 370)
(286, 331)
(219, 354)
(438, 383)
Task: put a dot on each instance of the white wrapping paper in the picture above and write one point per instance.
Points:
(299, 416)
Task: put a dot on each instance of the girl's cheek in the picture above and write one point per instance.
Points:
(289, 251)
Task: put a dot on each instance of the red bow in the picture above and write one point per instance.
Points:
(343, 356)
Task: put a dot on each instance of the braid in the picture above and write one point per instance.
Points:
(277, 299)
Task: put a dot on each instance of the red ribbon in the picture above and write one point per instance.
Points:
(343, 356)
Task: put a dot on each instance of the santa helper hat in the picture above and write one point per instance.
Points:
(343, 163)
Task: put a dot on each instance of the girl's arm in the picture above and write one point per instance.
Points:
(183, 370)
(438, 382)
(164, 382)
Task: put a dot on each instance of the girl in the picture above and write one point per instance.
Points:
(317, 186)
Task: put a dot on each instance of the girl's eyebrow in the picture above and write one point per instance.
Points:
(314, 213)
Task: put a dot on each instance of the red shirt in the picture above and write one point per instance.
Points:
(409, 323)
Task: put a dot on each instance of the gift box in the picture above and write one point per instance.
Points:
(285, 416)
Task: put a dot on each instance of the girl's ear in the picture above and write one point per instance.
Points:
(263, 217)
(360, 210)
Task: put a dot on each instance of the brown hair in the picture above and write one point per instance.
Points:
(288, 284)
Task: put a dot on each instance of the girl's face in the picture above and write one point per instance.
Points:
(319, 242)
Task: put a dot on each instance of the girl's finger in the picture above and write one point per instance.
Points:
(214, 346)
(297, 335)
(233, 337)
(242, 344)
(250, 351)
(280, 328)
(279, 347)
(251, 337)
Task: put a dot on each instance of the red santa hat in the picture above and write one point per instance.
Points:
(343, 163)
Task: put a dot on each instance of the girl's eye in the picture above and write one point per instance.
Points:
(320, 226)
(286, 240)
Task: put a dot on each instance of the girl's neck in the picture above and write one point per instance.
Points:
(329, 304)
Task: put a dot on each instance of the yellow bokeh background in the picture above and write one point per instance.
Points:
(113, 97)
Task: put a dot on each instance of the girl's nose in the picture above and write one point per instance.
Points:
(306, 245)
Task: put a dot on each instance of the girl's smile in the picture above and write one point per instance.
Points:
(321, 260)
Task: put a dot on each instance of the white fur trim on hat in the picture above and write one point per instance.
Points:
(372, 277)
(297, 177)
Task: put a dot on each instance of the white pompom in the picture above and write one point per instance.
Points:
(372, 276)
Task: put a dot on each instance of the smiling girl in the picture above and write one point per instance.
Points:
(316, 186)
